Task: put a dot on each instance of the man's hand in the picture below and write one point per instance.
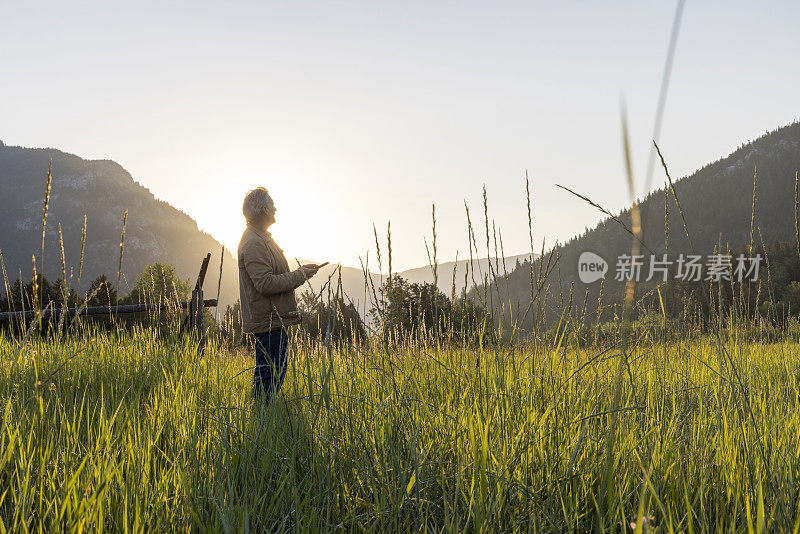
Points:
(309, 269)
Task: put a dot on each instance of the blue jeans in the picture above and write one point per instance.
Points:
(271, 349)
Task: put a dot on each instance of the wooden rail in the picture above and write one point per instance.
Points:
(193, 321)
(104, 310)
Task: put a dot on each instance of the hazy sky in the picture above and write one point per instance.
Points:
(354, 113)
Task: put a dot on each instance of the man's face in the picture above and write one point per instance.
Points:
(269, 213)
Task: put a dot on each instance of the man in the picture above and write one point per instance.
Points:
(266, 292)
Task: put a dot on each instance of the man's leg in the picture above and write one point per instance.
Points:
(262, 373)
(281, 350)
(271, 351)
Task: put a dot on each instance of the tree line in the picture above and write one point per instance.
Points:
(401, 311)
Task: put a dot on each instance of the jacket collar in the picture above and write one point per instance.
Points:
(262, 234)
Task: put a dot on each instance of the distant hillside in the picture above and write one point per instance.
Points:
(717, 201)
(155, 231)
(479, 266)
(353, 280)
(102, 190)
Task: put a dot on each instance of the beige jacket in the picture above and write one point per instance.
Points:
(266, 284)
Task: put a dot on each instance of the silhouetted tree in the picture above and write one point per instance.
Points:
(158, 283)
(413, 309)
(101, 292)
(337, 319)
(38, 294)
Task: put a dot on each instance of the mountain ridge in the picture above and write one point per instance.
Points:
(102, 189)
(717, 202)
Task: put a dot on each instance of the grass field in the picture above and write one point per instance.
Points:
(134, 433)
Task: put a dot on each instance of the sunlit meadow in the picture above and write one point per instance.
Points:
(133, 432)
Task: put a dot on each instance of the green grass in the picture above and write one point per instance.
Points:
(133, 433)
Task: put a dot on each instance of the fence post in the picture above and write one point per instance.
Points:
(196, 307)
(197, 315)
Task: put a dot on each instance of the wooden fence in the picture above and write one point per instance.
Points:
(193, 321)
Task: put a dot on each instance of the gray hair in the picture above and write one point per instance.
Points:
(255, 202)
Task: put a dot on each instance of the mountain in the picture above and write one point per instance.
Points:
(717, 202)
(479, 267)
(155, 231)
(102, 190)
